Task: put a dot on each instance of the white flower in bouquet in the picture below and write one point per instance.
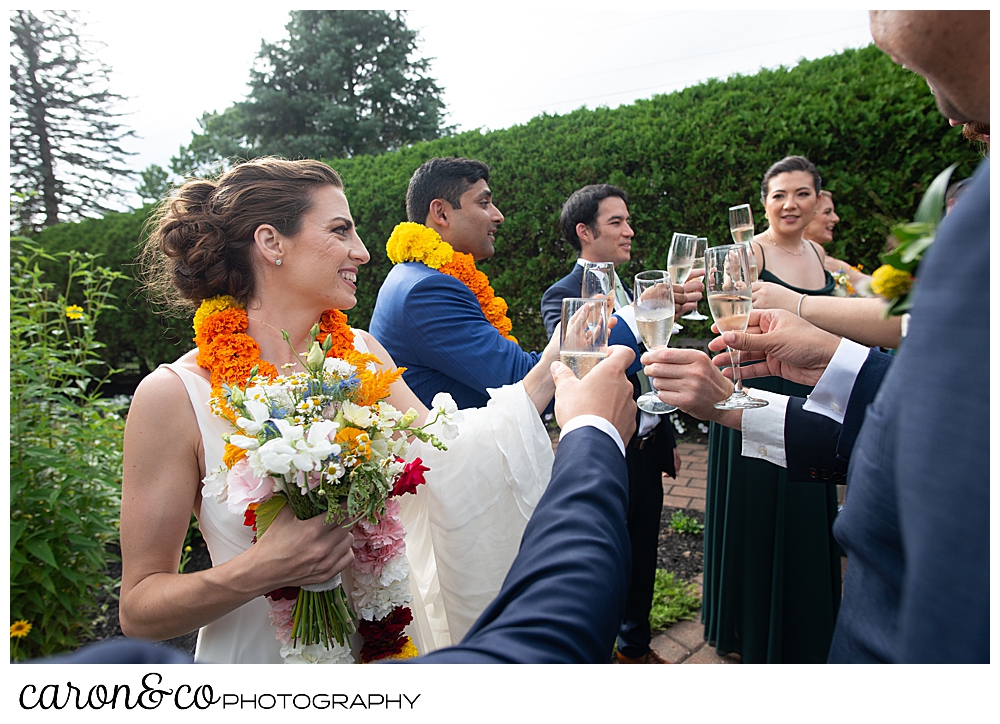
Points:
(316, 654)
(358, 416)
(376, 595)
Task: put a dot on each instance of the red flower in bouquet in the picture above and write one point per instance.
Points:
(410, 478)
(384, 638)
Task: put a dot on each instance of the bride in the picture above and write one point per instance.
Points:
(278, 237)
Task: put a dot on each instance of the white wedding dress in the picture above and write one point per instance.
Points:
(463, 527)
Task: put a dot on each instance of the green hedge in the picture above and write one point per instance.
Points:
(684, 158)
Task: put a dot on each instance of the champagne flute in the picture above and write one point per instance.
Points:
(699, 264)
(583, 336)
(654, 317)
(727, 283)
(741, 227)
(680, 258)
(599, 281)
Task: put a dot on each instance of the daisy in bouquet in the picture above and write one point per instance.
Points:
(324, 442)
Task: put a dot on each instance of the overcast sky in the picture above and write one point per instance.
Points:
(499, 65)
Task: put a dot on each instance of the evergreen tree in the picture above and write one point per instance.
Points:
(342, 84)
(155, 184)
(65, 156)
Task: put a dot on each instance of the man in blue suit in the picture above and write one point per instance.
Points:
(431, 323)
(912, 435)
(595, 222)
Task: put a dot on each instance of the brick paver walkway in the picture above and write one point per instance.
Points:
(684, 642)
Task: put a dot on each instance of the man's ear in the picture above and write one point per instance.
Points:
(584, 234)
(269, 243)
(439, 213)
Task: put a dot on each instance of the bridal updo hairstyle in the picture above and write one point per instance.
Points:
(786, 165)
(201, 244)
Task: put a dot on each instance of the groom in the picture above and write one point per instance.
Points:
(431, 323)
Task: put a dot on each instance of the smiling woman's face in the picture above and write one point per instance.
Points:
(790, 203)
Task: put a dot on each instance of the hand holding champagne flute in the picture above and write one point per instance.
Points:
(583, 336)
(654, 317)
(727, 283)
(741, 227)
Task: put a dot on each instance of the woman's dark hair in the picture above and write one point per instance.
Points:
(787, 164)
(201, 242)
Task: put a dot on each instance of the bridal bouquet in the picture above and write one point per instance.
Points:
(324, 442)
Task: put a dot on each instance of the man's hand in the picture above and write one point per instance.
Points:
(688, 294)
(686, 378)
(605, 392)
(788, 346)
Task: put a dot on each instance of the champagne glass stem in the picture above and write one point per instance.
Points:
(734, 357)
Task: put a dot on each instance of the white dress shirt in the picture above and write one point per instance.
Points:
(764, 427)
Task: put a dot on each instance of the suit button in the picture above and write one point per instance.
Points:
(825, 475)
(812, 473)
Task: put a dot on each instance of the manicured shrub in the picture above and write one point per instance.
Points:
(870, 126)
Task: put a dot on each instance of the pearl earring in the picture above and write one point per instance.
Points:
(277, 262)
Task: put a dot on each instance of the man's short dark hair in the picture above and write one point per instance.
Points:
(442, 178)
(581, 208)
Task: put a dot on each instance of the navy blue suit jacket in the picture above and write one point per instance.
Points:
(564, 596)
(432, 324)
(916, 525)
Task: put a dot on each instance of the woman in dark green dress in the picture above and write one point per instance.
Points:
(772, 567)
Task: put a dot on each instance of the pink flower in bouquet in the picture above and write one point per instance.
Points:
(246, 488)
(410, 478)
(281, 618)
(375, 545)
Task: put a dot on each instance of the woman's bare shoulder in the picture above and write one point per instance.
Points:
(163, 387)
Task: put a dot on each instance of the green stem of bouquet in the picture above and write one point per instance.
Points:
(322, 618)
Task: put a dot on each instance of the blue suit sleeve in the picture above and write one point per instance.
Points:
(564, 596)
(447, 331)
(552, 308)
(622, 335)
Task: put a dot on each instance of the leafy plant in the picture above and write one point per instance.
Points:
(685, 523)
(65, 449)
(673, 601)
(914, 239)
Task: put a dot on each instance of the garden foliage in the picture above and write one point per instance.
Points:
(65, 450)
(870, 126)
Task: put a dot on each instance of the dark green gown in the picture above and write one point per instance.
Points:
(772, 567)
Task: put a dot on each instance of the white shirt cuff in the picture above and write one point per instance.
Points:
(833, 391)
(764, 429)
(597, 421)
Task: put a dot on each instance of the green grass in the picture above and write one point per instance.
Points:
(673, 601)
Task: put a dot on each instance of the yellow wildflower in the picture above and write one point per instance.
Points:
(74, 311)
(890, 282)
(20, 629)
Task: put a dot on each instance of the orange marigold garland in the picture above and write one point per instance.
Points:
(415, 242)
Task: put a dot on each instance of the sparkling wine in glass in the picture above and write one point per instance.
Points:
(741, 227)
(583, 336)
(680, 258)
(727, 283)
(699, 264)
(654, 317)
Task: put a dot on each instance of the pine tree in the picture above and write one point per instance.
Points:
(343, 83)
(65, 157)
